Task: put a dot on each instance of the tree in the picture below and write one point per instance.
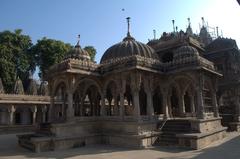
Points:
(91, 51)
(15, 58)
(49, 52)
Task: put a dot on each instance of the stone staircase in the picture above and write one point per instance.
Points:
(170, 129)
(44, 129)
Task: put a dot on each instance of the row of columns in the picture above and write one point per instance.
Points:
(150, 110)
(25, 120)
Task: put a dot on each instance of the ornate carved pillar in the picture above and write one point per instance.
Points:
(50, 114)
(82, 105)
(103, 107)
(135, 87)
(215, 105)
(136, 111)
(192, 104)
(165, 103)
(200, 102)
(70, 112)
(121, 111)
(150, 110)
(181, 105)
(44, 110)
(34, 114)
(70, 109)
(11, 111)
(149, 89)
(122, 90)
(115, 107)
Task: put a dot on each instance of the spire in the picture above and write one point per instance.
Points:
(173, 21)
(154, 34)
(217, 31)
(203, 22)
(128, 23)
(189, 28)
(189, 22)
(18, 87)
(129, 37)
(43, 89)
(32, 87)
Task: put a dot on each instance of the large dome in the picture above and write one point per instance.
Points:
(128, 47)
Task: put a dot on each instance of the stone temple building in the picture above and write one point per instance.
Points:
(175, 90)
(23, 109)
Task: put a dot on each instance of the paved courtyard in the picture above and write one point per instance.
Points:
(226, 149)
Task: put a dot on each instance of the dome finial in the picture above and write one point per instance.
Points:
(129, 37)
(128, 23)
(78, 42)
(78, 37)
(173, 21)
(189, 22)
(203, 22)
(154, 34)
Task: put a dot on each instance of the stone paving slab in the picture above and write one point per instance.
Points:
(229, 148)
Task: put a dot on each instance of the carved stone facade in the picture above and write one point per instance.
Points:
(21, 111)
(139, 95)
(176, 90)
(225, 54)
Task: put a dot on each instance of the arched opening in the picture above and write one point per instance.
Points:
(91, 102)
(167, 57)
(128, 101)
(112, 98)
(60, 103)
(17, 117)
(23, 116)
(142, 101)
(86, 99)
(4, 116)
(157, 102)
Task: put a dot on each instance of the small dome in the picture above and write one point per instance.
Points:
(78, 53)
(43, 89)
(18, 87)
(128, 47)
(185, 51)
(221, 44)
(1, 87)
(32, 87)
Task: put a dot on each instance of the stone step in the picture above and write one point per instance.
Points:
(175, 130)
(166, 141)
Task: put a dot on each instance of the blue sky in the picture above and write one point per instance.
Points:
(102, 23)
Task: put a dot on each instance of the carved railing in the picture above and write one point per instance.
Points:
(73, 64)
(188, 62)
(132, 61)
(21, 97)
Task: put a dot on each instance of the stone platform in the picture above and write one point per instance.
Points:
(190, 133)
(77, 134)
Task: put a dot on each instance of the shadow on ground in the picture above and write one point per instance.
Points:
(226, 150)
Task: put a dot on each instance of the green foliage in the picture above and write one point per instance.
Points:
(15, 57)
(92, 52)
(19, 57)
(49, 52)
